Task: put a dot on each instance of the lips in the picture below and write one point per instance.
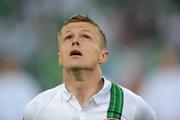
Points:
(75, 53)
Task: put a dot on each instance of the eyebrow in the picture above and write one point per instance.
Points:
(84, 30)
(67, 31)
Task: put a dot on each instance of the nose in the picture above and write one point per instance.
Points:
(75, 42)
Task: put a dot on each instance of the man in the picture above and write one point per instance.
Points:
(85, 93)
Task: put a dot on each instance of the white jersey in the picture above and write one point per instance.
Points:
(59, 104)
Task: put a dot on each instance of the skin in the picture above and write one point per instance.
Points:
(82, 74)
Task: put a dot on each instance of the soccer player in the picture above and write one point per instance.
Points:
(85, 93)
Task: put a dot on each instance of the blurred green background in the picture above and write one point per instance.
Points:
(143, 40)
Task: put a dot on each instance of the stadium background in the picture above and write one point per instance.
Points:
(143, 40)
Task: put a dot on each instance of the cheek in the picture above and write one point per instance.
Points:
(94, 54)
(63, 54)
(64, 50)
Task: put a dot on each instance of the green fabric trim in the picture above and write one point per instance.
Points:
(116, 102)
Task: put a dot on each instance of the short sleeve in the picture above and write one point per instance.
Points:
(31, 110)
(143, 111)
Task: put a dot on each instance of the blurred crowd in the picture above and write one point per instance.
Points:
(143, 40)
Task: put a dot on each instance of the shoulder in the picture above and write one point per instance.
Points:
(144, 111)
(37, 104)
(135, 107)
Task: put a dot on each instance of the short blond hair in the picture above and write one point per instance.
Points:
(81, 18)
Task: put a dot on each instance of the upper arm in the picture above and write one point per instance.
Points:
(35, 108)
(31, 111)
(144, 111)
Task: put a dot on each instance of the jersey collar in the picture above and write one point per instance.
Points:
(100, 97)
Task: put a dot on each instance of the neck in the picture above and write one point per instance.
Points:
(83, 84)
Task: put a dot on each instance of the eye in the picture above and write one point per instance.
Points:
(86, 36)
(68, 37)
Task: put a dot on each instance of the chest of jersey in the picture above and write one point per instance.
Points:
(71, 111)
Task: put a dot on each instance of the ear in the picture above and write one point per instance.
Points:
(104, 57)
(59, 58)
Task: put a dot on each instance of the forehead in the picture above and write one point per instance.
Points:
(81, 26)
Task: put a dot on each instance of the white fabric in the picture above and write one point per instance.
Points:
(59, 104)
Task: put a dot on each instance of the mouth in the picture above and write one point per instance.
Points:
(75, 53)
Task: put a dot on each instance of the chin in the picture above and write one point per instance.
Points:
(77, 67)
(73, 67)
